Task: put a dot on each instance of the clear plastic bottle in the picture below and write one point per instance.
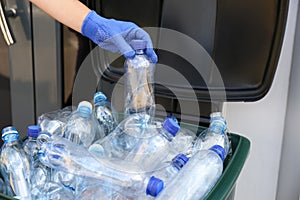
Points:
(53, 122)
(81, 127)
(44, 174)
(40, 174)
(155, 145)
(171, 170)
(30, 146)
(88, 188)
(50, 191)
(121, 141)
(14, 164)
(104, 112)
(124, 177)
(215, 134)
(197, 177)
(91, 189)
(182, 143)
(5, 188)
(139, 74)
(2, 187)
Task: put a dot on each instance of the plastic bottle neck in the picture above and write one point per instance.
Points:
(217, 127)
(32, 137)
(139, 52)
(167, 135)
(84, 112)
(179, 161)
(9, 138)
(219, 150)
(100, 103)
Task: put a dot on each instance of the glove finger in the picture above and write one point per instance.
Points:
(152, 55)
(122, 45)
(141, 34)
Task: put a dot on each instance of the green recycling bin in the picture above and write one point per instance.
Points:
(233, 164)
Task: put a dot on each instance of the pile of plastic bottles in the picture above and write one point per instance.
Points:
(87, 153)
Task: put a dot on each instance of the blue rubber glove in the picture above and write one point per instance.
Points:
(115, 36)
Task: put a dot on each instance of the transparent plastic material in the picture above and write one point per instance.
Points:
(53, 122)
(139, 73)
(223, 189)
(15, 167)
(2, 186)
(119, 143)
(197, 177)
(182, 143)
(215, 134)
(52, 190)
(124, 177)
(154, 145)
(91, 189)
(105, 113)
(81, 127)
(40, 174)
(171, 170)
(30, 146)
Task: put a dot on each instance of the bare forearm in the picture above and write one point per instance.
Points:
(69, 12)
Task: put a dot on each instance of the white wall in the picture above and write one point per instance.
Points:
(289, 175)
(263, 123)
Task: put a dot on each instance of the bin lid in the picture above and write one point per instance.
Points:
(242, 42)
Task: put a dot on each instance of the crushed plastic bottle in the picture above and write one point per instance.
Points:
(139, 72)
(154, 145)
(91, 189)
(121, 176)
(40, 174)
(2, 186)
(182, 143)
(51, 190)
(121, 141)
(197, 177)
(14, 164)
(5, 188)
(44, 174)
(53, 122)
(105, 113)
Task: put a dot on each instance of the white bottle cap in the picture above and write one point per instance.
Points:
(85, 104)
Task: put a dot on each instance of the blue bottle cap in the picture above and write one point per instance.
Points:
(33, 131)
(155, 186)
(9, 130)
(99, 96)
(138, 44)
(171, 125)
(179, 161)
(219, 150)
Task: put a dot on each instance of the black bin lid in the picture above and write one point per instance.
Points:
(242, 38)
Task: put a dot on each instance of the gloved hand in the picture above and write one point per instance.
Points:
(115, 36)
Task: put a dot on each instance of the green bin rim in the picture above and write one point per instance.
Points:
(226, 184)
